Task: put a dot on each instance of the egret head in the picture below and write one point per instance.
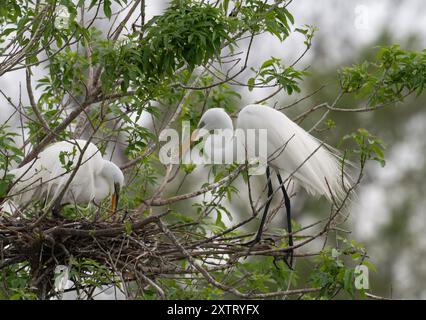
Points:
(212, 119)
(115, 179)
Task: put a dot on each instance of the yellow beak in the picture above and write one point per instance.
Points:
(187, 144)
(115, 197)
(114, 202)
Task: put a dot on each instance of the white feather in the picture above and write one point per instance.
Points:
(313, 163)
(45, 177)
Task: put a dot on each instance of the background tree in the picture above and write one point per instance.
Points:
(96, 70)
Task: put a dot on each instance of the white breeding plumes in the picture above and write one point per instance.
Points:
(45, 177)
(293, 151)
(290, 151)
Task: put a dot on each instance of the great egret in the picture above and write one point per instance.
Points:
(46, 177)
(290, 151)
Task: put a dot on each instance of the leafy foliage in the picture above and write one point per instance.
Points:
(369, 147)
(395, 74)
(273, 72)
(258, 16)
(14, 281)
(9, 154)
(188, 33)
(334, 274)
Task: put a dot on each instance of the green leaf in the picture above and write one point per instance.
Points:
(107, 8)
(250, 83)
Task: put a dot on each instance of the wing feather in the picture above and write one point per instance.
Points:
(295, 152)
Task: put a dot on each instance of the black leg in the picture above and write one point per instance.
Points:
(56, 211)
(265, 211)
(288, 209)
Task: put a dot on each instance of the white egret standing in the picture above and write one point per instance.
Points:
(46, 177)
(290, 150)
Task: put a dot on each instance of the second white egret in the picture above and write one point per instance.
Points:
(49, 176)
(291, 151)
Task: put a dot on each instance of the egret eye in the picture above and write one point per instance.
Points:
(201, 124)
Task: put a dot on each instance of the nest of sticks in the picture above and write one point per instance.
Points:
(139, 251)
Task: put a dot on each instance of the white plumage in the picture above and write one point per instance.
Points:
(312, 162)
(290, 149)
(45, 177)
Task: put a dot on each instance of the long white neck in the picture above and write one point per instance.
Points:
(112, 173)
